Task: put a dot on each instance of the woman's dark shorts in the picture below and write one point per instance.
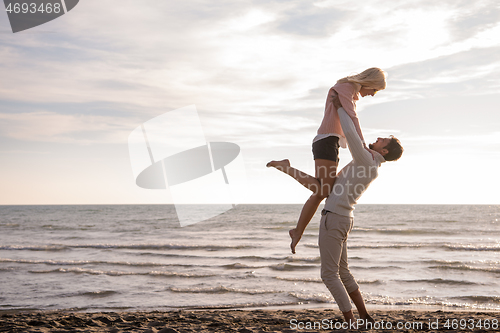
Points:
(326, 149)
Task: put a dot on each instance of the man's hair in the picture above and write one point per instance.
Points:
(395, 150)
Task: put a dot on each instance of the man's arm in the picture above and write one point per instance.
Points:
(357, 126)
(345, 92)
(358, 152)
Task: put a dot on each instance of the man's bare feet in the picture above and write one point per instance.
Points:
(280, 165)
(366, 319)
(294, 235)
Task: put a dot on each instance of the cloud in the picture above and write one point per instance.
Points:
(454, 66)
(473, 18)
(308, 20)
(458, 125)
(46, 126)
(471, 72)
(173, 54)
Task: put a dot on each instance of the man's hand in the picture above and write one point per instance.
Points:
(336, 102)
(295, 236)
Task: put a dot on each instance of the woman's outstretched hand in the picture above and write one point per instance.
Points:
(294, 235)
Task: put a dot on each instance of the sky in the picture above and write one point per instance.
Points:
(72, 91)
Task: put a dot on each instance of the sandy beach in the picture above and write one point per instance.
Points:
(245, 321)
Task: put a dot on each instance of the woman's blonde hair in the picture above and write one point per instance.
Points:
(373, 78)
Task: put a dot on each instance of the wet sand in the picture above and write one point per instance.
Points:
(245, 321)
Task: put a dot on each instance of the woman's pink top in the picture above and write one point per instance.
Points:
(348, 95)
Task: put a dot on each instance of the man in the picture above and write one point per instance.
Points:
(337, 215)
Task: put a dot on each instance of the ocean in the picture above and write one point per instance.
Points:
(137, 257)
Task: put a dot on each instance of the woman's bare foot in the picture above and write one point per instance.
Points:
(280, 165)
(294, 235)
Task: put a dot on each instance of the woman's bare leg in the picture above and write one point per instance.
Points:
(326, 171)
(303, 178)
(321, 186)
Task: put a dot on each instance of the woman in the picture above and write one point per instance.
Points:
(329, 138)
